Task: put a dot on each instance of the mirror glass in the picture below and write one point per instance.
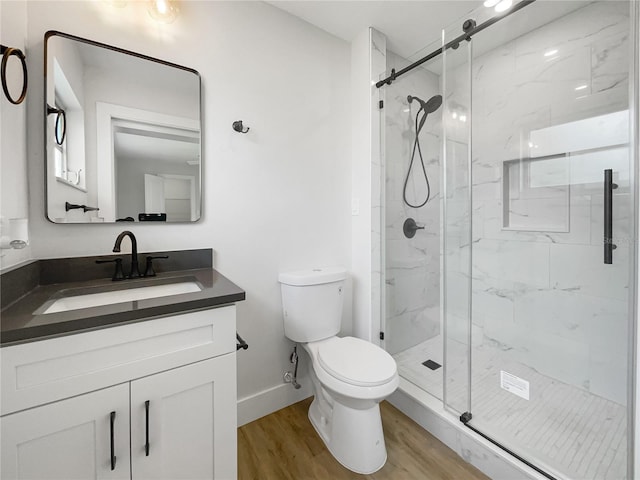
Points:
(122, 134)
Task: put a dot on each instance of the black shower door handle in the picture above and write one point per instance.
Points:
(609, 187)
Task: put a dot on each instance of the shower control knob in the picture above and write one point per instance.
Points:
(410, 227)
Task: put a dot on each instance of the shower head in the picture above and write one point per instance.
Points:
(432, 104)
(427, 107)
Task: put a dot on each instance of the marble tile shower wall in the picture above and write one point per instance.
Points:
(545, 296)
(412, 270)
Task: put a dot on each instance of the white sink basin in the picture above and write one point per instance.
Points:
(119, 296)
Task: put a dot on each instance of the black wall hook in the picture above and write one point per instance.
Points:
(238, 127)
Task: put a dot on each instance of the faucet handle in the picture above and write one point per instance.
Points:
(149, 271)
(118, 274)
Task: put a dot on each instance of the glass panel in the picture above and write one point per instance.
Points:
(550, 103)
(411, 152)
(457, 223)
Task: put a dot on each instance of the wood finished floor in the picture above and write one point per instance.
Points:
(284, 445)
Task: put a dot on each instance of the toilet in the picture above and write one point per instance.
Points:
(350, 376)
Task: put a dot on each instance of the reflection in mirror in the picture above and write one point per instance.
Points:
(60, 126)
(122, 135)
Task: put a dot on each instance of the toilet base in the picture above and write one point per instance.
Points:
(353, 436)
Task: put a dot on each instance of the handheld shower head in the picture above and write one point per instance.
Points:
(428, 107)
(432, 104)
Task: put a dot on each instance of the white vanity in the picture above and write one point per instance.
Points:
(153, 398)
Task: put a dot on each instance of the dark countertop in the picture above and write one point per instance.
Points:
(20, 321)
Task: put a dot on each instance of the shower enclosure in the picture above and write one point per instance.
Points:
(515, 304)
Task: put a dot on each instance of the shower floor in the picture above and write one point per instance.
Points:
(561, 429)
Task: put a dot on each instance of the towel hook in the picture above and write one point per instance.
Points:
(238, 127)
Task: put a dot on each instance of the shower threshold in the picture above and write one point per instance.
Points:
(574, 431)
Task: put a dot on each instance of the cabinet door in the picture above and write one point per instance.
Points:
(70, 439)
(187, 430)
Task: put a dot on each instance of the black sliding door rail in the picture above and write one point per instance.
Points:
(455, 42)
(465, 418)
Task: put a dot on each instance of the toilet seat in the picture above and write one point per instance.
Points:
(332, 382)
(356, 362)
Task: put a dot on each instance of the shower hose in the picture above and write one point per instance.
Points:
(416, 147)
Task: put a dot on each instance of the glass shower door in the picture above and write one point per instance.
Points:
(550, 194)
(457, 219)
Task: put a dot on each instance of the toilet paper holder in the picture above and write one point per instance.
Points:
(240, 343)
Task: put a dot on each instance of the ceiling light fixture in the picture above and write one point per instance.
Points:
(503, 5)
(116, 3)
(550, 52)
(163, 11)
(581, 87)
(491, 3)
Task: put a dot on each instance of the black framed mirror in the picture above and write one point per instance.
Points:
(122, 135)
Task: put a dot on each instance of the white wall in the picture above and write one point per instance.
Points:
(634, 337)
(14, 199)
(361, 182)
(367, 64)
(275, 199)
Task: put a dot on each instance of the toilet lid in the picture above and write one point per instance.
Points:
(356, 361)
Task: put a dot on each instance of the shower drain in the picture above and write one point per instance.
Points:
(431, 364)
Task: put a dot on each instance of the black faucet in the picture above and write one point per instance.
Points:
(134, 252)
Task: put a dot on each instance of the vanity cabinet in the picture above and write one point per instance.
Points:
(190, 415)
(158, 397)
(69, 439)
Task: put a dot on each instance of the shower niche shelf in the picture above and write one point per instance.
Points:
(536, 193)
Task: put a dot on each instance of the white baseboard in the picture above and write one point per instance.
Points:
(271, 400)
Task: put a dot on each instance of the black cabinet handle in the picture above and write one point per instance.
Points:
(609, 187)
(146, 414)
(113, 447)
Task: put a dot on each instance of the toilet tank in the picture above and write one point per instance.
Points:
(312, 303)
